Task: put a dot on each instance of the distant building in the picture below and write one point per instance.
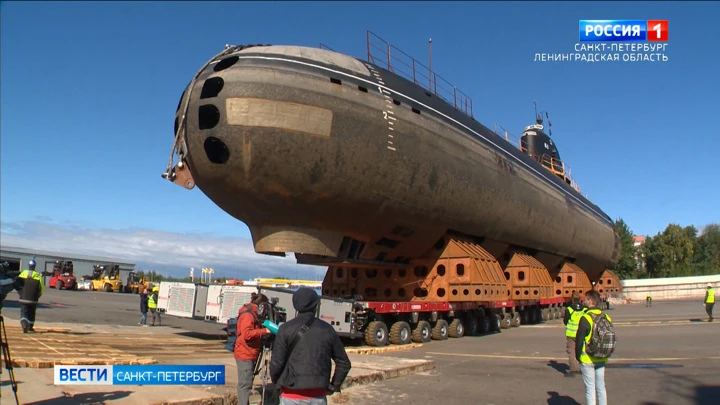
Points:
(638, 241)
(18, 259)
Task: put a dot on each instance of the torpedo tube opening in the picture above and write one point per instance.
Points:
(225, 63)
(216, 150)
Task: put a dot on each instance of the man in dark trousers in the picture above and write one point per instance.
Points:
(573, 313)
(152, 304)
(143, 307)
(30, 287)
(709, 301)
(302, 371)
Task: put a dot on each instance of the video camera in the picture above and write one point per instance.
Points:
(270, 315)
(271, 311)
(7, 282)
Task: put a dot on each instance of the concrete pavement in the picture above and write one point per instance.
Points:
(34, 355)
(35, 386)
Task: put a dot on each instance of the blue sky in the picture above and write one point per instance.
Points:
(89, 91)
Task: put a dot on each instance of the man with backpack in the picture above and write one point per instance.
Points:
(301, 359)
(248, 345)
(594, 344)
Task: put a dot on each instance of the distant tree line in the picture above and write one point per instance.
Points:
(156, 278)
(675, 252)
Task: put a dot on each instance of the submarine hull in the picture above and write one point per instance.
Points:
(312, 148)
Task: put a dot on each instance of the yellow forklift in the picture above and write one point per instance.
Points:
(136, 284)
(106, 278)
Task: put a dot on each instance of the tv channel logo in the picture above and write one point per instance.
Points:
(139, 374)
(624, 30)
(83, 375)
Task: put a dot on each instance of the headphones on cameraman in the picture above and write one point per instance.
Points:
(263, 309)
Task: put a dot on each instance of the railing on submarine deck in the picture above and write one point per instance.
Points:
(553, 165)
(381, 53)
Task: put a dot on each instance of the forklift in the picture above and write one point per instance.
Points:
(135, 284)
(62, 275)
(106, 278)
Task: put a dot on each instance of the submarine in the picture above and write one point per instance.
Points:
(341, 160)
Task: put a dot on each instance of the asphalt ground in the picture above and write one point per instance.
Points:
(103, 308)
(666, 354)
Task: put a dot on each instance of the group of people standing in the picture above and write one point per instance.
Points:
(149, 301)
(302, 353)
(579, 320)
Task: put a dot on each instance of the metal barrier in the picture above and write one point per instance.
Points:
(181, 300)
(232, 297)
(381, 53)
(212, 306)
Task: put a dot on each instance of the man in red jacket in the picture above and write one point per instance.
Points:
(248, 345)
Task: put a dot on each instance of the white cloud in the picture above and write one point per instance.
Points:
(163, 251)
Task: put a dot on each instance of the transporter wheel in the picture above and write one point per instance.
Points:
(135, 290)
(515, 320)
(440, 331)
(376, 334)
(422, 332)
(545, 314)
(506, 322)
(400, 333)
(473, 325)
(498, 325)
(525, 316)
(486, 326)
(59, 285)
(108, 288)
(456, 328)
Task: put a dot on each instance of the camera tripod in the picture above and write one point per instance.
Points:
(7, 360)
(262, 367)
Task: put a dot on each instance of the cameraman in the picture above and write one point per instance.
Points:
(303, 371)
(249, 344)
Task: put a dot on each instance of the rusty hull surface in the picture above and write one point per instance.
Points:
(313, 167)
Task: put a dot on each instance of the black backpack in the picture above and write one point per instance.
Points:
(232, 327)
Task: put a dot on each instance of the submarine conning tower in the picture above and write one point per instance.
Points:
(539, 146)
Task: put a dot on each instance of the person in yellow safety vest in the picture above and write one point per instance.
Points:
(592, 369)
(30, 287)
(573, 313)
(648, 301)
(709, 301)
(152, 306)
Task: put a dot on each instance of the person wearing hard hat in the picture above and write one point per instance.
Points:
(709, 301)
(30, 287)
(152, 306)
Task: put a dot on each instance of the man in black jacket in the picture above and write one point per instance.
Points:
(302, 372)
(30, 287)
